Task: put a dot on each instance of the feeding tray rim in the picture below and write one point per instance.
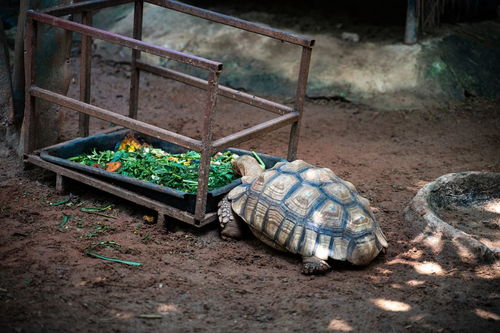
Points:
(107, 141)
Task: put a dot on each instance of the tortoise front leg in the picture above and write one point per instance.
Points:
(314, 265)
(231, 225)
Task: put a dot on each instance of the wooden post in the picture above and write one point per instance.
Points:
(411, 30)
(29, 122)
(60, 184)
(160, 217)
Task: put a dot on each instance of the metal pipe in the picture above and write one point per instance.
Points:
(136, 54)
(234, 22)
(207, 132)
(85, 64)
(126, 41)
(82, 7)
(234, 94)
(254, 131)
(116, 118)
(300, 95)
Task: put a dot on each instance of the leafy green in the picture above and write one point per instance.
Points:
(179, 171)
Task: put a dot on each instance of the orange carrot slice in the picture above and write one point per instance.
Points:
(113, 166)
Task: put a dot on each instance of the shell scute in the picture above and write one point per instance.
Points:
(278, 187)
(309, 243)
(295, 238)
(285, 229)
(317, 176)
(260, 216)
(328, 215)
(274, 219)
(339, 192)
(249, 209)
(302, 200)
(339, 249)
(295, 166)
(262, 180)
(322, 250)
(364, 250)
(358, 221)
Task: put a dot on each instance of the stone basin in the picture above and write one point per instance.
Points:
(461, 211)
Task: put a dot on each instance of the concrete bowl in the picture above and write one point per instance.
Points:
(459, 211)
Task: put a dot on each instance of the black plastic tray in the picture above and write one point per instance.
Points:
(168, 195)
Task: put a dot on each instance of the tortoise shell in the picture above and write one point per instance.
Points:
(309, 211)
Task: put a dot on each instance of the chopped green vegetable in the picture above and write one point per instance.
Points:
(149, 316)
(95, 209)
(261, 163)
(98, 210)
(179, 171)
(58, 203)
(102, 214)
(65, 220)
(109, 244)
(105, 215)
(130, 263)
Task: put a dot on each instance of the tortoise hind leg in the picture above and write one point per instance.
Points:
(314, 265)
(231, 225)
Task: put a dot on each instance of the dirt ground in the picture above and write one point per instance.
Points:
(192, 281)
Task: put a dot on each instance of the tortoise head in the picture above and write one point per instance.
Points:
(247, 167)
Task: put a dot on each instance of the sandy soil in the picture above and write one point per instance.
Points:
(192, 281)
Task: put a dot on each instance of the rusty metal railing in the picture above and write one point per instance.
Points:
(206, 146)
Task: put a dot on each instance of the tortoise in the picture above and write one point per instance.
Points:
(302, 209)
